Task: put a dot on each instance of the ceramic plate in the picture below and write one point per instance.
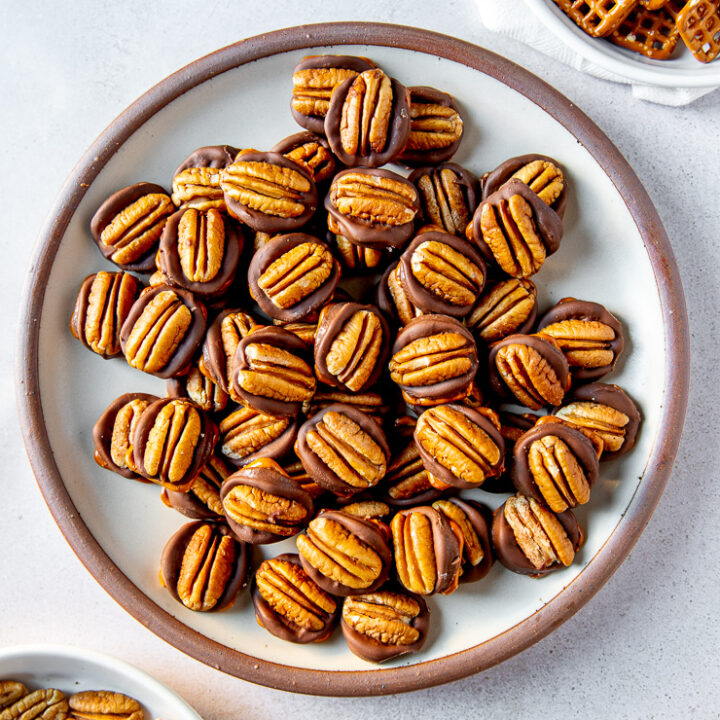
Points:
(72, 670)
(682, 70)
(614, 251)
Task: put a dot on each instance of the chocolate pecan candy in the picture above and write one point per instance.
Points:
(292, 276)
(589, 336)
(10, 692)
(385, 624)
(311, 151)
(368, 121)
(102, 305)
(555, 464)
(530, 368)
(343, 450)
(515, 229)
(428, 550)
(202, 500)
(269, 372)
(406, 481)
(196, 182)
(473, 520)
(173, 440)
(607, 411)
(391, 297)
(506, 308)
(314, 79)
(355, 258)
(372, 207)
(542, 174)
(295, 470)
(303, 329)
(199, 251)
(434, 360)
(367, 509)
(163, 330)
(459, 446)
(448, 196)
(442, 273)
(263, 505)
(289, 604)
(104, 705)
(48, 704)
(531, 539)
(114, 431)
(128, 225)
(344, 555)
(351, 346)
(436, 127)
(371, 403)
(247, 434)
(269, 192)
(203, 566)
(199, 388)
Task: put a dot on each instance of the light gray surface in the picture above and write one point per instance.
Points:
(645, 646)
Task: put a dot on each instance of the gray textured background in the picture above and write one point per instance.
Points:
(645, 647)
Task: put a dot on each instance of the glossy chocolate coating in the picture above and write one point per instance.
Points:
(508, 552)
(189, 504)
(172, 557)
(572, 309)
(398, 129)
(364, 232)
(331, 324)
(270, 481)
(316, 123)
(316, 468)
(293, 142)
(372, 650)
(110, 208)
(282, 626)
(503, 172)
(210, 156)
(168, 258)
(581, 447)
(267, 255)
(548, 350)
(181, 359)
(369, 533)
(423, 298)
(280, 338)
(426, 326)
(103, 431)
(263, 222)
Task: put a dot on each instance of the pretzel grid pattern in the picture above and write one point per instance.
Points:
(597, 17)
(653, 34)
(699, 27)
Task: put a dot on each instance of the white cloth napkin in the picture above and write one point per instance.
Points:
(513, 19)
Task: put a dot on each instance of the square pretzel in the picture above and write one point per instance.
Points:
(699, 26)
(653, 34)
(597, 17)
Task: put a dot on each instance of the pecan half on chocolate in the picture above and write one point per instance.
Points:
(305, 330)
(203, 566)
(48, 704)
(270, 373)
(505, 308)
(196, 182)
(607, 411)
(269, 192)
(530, 368)
(263, 505)
(428, 551)
(173, 440)
(199, 388)
(114, 431)
(343, 450)
(368, 121)
(128, 225)
(371, 403)
(104, 705)
(355, 258)
(289, 604)
(314, 79)
(384, 624)
(202, 500)
(515, 229)
(371, 207)
(590, 337)
(292, 276)
(530, 539)
(310, 150)
(351, 346)
(434, 360)
(163, 330)
(391, 297)
(442, 273)
(103, 303)
(459, 446)
(406, 481)
(436, 127)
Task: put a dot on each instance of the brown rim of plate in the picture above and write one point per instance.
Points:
(431, 672)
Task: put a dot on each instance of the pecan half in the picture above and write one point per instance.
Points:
(392, 297)
(104, 705)
(355, 257)
(47, 704)
(196, 183)
(200, 389)
(10, 692)
(370, 403)
(202, 501)
(507, 307)
(368, 509)
(201, 241)
(304, 330)
(247, 433)
(406, 481)
(311, 151)
(544, 178)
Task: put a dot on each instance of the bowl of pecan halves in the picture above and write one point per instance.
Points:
(385, 390)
